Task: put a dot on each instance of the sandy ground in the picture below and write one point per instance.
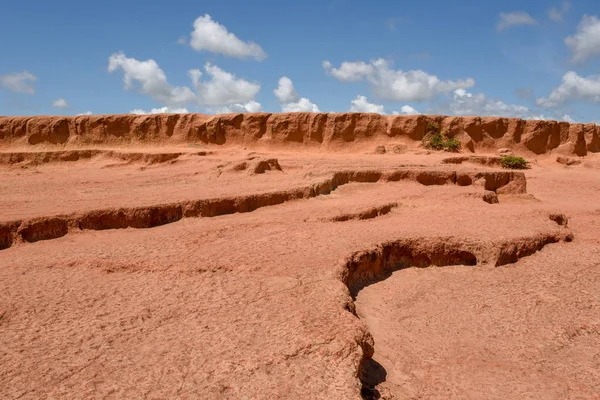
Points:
(273, 303)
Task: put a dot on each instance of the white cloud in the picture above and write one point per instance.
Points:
(290, 100)
(84, 113)
(349, 71)
(465, 103)
(556, 14)
(18, 82)
(223, 88)
(60, 104)
(586, 42)
(182, 39)
(285, 92)
(506, 20)
(361, 104)
(162, 110)
(573, 87)
(152, 80)
(407, 110)
(211, 36)
(251, 106)
(302, 105)
(396, 85)
(540, 117)
(567, 118)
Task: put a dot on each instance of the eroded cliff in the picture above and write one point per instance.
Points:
(319, 131)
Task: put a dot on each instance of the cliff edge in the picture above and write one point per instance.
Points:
(318, 131)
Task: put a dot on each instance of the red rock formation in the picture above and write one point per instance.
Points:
(318, 130)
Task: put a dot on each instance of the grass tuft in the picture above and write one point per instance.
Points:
(513, 162)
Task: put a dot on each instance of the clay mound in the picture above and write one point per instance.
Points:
(254, 165)
(568, 161)
(331, 132)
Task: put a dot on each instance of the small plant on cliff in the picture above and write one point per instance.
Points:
(512, 162)
(435, 139)
(452, 144)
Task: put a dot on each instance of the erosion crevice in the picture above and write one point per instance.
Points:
(370, 266)
(52, 227)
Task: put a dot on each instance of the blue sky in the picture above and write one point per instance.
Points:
(534, 59)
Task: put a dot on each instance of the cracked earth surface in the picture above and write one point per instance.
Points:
(230, 273)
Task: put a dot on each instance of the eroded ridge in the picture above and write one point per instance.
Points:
(52, 227)
(317, 130)
(366, 267)
(45, 157)
(370, 213)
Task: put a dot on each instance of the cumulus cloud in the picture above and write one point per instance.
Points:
(349, 71)
(395, 85)
(585, 43)
(573, 87)
(84, 113)
(515, 18)
(151, 79)
(290, 100)
(162, 110)
(223, 88)
(18, 82)
(465, 103)
(361, 104)
(211, 36)
(285, 92)
(567, 118)
(219, 89)
(60, 104)
(251, 106)
(302, 105)
(407, 110)
(556, 14)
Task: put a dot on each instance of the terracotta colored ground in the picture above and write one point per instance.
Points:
(271, 274)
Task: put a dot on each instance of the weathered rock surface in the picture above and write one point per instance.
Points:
(319, 130)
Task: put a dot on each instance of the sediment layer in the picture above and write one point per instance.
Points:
(323, 131)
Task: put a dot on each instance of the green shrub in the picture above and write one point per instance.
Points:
(452, 144)
(512, 162)
(435, 139)
(432, 128)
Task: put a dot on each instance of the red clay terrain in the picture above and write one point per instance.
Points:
(297, 256)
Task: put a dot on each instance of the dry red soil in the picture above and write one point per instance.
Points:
(297, 256)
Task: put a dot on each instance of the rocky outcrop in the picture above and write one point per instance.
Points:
(327, 131)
